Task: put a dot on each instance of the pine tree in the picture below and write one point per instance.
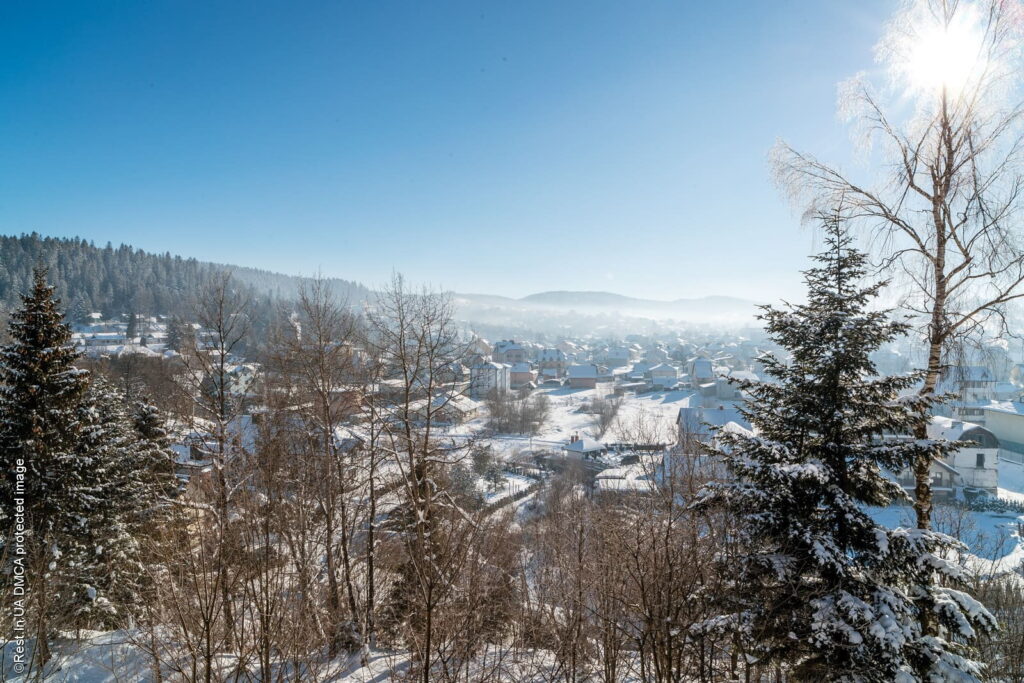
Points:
(177, 335)
(133, 327)
(40, 391)
(818, 585)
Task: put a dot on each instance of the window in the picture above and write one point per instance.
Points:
(981, 461)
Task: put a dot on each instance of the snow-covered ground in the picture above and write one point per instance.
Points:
(567, 420)
(994, 538)
(511, 485)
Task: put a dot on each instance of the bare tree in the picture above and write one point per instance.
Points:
(210, 363)
(414, 336)
(314, 356)
(943, 212)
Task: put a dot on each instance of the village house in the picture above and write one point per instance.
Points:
(726, 383)
(975, 466)
(552, 359)
(508, 351)
(444, 408)
(1005, 419)
(479, 347)
(573, 352)
(583, 447)
(584, 376)
(521, 374)
(618, 356)
(701, 371)
(663, 375)
(974, 382)
(487, 377)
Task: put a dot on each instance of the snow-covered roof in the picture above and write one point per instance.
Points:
(582, 371)
(744, 375)
(663, 368)
(1012, 407)
(584, 445)
(521, 367)
(958, 430)
(490, 365)
(695, 419)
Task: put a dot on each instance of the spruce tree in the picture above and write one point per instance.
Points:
(818, 585)
(127, 444)
(133, 328)
(40, 426)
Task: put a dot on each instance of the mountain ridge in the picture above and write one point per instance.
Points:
(126, 279)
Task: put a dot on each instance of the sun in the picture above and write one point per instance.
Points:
(943, 56)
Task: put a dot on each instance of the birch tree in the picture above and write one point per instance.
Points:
(941, 203)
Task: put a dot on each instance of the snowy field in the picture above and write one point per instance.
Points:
(567, 420)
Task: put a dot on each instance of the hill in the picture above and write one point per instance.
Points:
(123, 279)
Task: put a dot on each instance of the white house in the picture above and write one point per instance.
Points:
(583, 447)
(973, 466)
(974, 386)
(618, 356)
(663, 375)
(487, 377)
(702, 372)
(1005, 419)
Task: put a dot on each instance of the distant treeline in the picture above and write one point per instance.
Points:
(123, 280)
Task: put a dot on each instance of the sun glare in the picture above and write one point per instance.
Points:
(946, 56)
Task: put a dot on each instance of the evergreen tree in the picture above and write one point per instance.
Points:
(40, 426)
(134, 466)
(110, 575)
(177, 335)
(156, 458)
(818, 584)
(96, 478)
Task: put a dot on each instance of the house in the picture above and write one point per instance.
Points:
(618, 356)
(449, 408)
(508, 351)
(978, 464)
(521, 374)
(479, 347)
(552, 358)
(726, 384)
(698, 423)
(701, 371)
(641, 369)
(572, 351)
(584, 376)
(1006, 391)
(1005, 419)
(487, 377)
(973, 466)
(583, 447)
(663, 375)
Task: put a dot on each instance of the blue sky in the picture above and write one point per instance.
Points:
(498, 147)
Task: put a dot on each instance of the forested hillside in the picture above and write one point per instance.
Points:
(118, 280)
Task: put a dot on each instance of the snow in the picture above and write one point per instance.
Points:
(993, 538)
(512, 484)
